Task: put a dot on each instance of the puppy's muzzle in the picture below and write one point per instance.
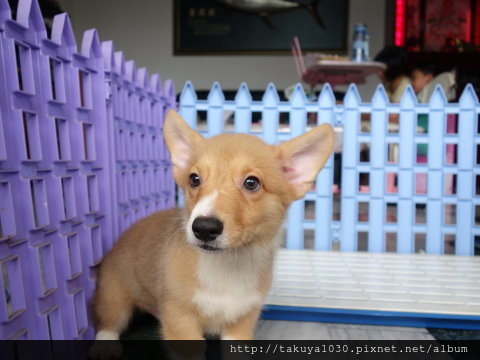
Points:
(207, 228)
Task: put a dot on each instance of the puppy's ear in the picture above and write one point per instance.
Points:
(303, 157)
(180, 140)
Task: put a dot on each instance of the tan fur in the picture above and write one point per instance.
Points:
(157, 267)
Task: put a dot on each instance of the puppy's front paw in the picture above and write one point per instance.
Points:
(105, 350)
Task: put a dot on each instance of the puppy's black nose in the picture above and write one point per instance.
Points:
(207, 228)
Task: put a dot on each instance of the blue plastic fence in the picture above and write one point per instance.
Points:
(81, 158)
(409, 197)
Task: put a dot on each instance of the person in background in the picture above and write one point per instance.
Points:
(425, 76)
(395, 77)
(422, 74)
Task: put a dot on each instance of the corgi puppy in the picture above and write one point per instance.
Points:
(206, 268)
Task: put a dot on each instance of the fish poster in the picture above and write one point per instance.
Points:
(259, 26)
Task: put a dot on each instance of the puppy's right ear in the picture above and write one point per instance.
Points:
(180, 140)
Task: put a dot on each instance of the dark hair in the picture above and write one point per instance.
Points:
(396, 59)
(429, 67)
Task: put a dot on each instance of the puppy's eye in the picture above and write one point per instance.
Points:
(251, 183)
(195, 180)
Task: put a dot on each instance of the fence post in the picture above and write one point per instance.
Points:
(142, 91)
(296, 212)
(133, 140)
(118, 107)
(158, 112)
(170, 94)
(108, 61)
(270, 112)
(168, 183)
(188, 105)
(376, 216)
(464, 242)
(165, 100)
(324, 199)
(91, 92)
(5, 13)
(436, 130)
(405, 213)
(24, 123)
(243, 113)
(350, 185)
(215, 116)
(188, 111)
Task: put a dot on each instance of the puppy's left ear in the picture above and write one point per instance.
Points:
(180, 139)
(303, 157)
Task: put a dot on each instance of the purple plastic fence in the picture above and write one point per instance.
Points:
(81, 158)
(136, 105)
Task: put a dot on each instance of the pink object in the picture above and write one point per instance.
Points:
(364, 189)
(298, 57)
(421, 183)
(391, 188)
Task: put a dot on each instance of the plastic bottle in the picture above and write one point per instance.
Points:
(360, 45)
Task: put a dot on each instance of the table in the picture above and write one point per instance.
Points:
(338, 72)
(316, 69)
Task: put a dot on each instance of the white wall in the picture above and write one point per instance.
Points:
(143, 29)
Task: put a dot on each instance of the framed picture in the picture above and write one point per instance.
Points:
(259, 26)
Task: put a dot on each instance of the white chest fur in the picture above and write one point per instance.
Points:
(229, 288)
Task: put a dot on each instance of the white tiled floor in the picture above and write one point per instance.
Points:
(414, 283)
